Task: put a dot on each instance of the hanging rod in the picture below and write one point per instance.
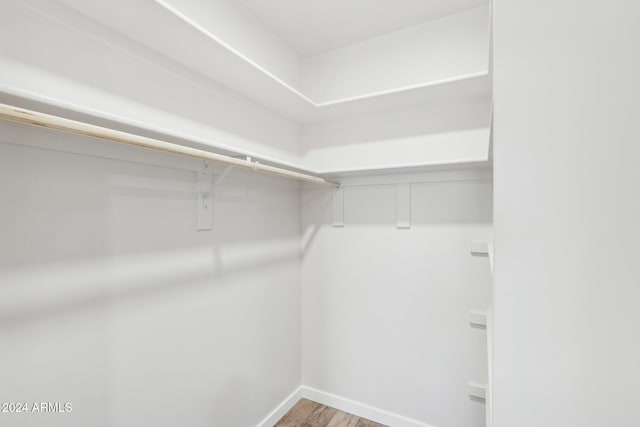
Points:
(21, 115)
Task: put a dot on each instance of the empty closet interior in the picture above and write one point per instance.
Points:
(213, 209)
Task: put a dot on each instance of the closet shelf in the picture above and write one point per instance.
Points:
(469, 86)
(35, 118)
(411, 168)
(72, 111)
(213, 57)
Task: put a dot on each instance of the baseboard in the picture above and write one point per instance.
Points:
(360, 409)
(347, 405)
(281, 409)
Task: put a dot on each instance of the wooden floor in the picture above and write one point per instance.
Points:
(307, 413)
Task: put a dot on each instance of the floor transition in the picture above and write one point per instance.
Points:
(307, 413)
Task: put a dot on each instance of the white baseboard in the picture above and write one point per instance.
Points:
(281, 409)
(347, 405)
(360, 409)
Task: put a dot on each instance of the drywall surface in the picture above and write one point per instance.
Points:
(445, 48)
(63, 58)
(311, 28)
(385, 310)
(566, 214)
(110, 300)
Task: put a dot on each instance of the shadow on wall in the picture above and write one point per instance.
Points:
(34, 292)
(70, 196)
(79, 231)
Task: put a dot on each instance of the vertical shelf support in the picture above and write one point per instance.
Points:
(204, 194)
(403, 205)
(483, 320)
(338, 207)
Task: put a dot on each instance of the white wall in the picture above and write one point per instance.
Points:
(110, 300)
(566, 210)
(385, 311)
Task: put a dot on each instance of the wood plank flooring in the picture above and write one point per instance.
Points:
(307, 413)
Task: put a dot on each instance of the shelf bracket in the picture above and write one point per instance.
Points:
(204, 195)
(403, 205)
(338, 207)
(478, 318)
(479, 391)
(479, 247)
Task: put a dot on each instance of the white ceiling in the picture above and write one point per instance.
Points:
(315, 26)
